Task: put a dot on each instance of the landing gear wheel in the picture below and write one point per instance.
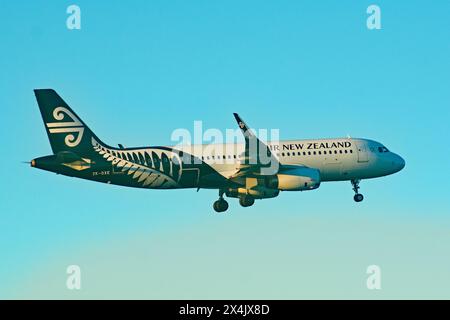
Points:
(358, 197)
(246, 201)
(220, 205)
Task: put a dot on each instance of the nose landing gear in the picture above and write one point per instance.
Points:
(358, 197)
(220, 205)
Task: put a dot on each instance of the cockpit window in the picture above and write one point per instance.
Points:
(382, 149)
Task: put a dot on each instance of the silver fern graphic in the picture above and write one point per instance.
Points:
(153, 168)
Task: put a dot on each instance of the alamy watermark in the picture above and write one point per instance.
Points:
(73, 21)
(213, 146)
(73, 281)
(373, 281)
(373, 22)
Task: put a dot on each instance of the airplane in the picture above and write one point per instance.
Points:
(247, 171)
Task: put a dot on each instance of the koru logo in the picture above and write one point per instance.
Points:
(241, 125)
(73, 126)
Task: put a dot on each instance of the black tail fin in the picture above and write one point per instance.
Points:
(66, 131)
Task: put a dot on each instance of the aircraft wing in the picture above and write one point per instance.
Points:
(257, 158)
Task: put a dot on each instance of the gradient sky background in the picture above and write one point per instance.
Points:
(138, 70)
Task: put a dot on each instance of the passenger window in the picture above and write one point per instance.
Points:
(345, 151)
(335, 151)
(340, 151)
(288, 154)
(314, 153)
(309, 153)
(320, 152)
(282, 154)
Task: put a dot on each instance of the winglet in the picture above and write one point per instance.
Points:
(257, 155)
(241, 124)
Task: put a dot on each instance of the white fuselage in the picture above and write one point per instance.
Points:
(336, 159)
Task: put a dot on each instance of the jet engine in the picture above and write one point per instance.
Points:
(257, 193)
(295, 179)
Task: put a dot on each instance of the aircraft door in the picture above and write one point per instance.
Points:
(363, 156)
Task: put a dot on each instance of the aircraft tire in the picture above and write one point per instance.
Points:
(220, 205)
(246, 201)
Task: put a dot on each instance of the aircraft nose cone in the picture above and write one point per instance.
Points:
(402, 163)
(399, 162)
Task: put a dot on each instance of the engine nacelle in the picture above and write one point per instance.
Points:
(257, 193)
(295, 179)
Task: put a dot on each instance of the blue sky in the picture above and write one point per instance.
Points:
(137, 71)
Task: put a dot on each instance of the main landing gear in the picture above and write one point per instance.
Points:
(220, 205)
(358, 197)
(246, 200)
